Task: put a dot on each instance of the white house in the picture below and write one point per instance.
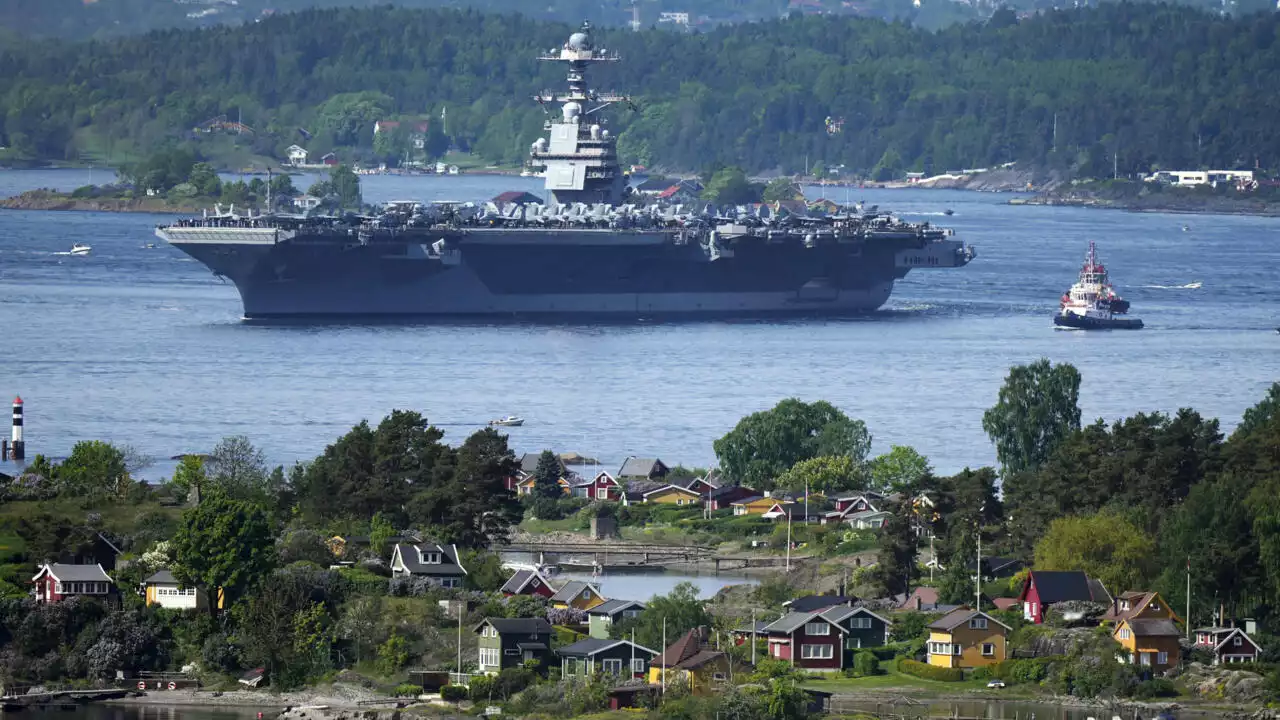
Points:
(163, 590)
(434, 561)
(297, 155)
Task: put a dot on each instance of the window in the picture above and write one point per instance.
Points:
(1145, 658)
(1155, 605)
(611, 666)
(955, 648)
(816, 652)
(1237, 641)
(718, 677)
(1162, 658)
(450, 583)
(511, 652)
(586, 594)
(637, 666)
(988, 649)
(489, 657)
(429, 558)
(862, 623)
(978, 623)
(630, 613)
(1124, 634)
(602, 493)
(853, 643)
(536, 583)
(817, 628)
(679, 501)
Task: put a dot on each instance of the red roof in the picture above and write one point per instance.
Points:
(421, 125)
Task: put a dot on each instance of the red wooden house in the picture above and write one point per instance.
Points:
(528, 582)
(825, 639)
(56, 582)
(1228, 645)
(1044, 588)
(723, 498)
(601, 487)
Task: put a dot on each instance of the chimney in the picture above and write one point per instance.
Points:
(768, 493)
(919, 604)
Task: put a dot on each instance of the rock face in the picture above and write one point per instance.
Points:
(45, 199)
(1219, 683)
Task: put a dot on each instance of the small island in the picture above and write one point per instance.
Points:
(1246, 193)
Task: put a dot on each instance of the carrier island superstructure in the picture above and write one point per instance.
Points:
(593, 249)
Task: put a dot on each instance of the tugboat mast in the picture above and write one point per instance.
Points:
(580, 161)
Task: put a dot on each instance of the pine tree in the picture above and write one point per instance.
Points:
(897, 553)
(546, 478)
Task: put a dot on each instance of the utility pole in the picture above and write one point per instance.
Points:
(788, 541)
(1188, 617)
(460, 643)
(632, 671)
(665, 659)
(1055, 132)
(806, 500)
(978, 594)
(268, 187)
(753, 637)
(1115, 165)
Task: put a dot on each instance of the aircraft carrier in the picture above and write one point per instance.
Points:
(595, 248)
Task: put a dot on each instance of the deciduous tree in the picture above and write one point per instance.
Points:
(766, 444)
(899, 470)
(1038, 407)
(223, 543)
(1103, 545)
(681, 609)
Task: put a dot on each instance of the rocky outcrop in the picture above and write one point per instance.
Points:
(44, 199)
(1221, 684)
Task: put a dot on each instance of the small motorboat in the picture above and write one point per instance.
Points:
(507, 421)
(80, 249)
(948, 211)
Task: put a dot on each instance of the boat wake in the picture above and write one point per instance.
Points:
(1189, 286)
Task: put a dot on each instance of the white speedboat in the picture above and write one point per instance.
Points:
(80, 249)
(507, 421)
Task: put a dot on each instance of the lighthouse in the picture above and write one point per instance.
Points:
(17, 451)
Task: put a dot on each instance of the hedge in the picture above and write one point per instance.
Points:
(929, 672)
(1026, 671)
(453, 693)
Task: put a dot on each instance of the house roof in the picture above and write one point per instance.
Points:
(654, 184)
(572, 589)
(1062, 585)
(992, 565)
(1148, 627)
(810, 603)
(682, 649)
(516, 196)
(517, 582)
(613, 607)
(958, 617)
(868, 514)
(74, 573)
(669, 487)
(1231, 632)
(641, 467)
(759, 628)
(526, 626)
(928, 597)
(161, 577)
(791, 621)
(1137, 601)
(410, 553)
(748, 500)
(730, 491)
(593, 646)
(529, 462)
(1004, 603)
(840, 613)
(637, 489)
(700, 658)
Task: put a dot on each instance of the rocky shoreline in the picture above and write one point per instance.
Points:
(1157, 203)
(53, 200)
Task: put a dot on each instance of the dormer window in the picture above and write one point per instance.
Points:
(428, 558)
(1124, 604)
(978, 623)
(1155, 605)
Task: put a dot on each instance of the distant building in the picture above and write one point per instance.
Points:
(437, 562)
(1194, 178)
(297, 155)
(677, 18)
(56, 582)
(417, 130)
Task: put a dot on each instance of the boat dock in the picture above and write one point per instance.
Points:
(13, 699)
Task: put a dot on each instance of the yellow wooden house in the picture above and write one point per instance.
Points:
(967, 638)
(1145, 626)
(525, 486)
(689, 662)
(577, 594)
(758, 505)
(673, 495)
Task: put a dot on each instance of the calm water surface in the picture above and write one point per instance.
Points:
(145, 347)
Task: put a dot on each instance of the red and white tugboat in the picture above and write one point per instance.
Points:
(1092, 304)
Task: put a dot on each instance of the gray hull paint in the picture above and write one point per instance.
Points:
(459, 293)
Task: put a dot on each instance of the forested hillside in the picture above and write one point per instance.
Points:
(1135, 84)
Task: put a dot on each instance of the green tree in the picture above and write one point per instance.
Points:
(766, 444)
(730, 186)
(346, 187)
(484, 570)
(238, 469)
(224, 544)
(546, 476)
(1037, 408)
(312, 641)
(899, 470)
(361, 625)
(896, 553)
(393, 654)
(380, 533)
(782, 188)
(475, 508)
(680, 608)
(205, 179)
(1259, 415)
(824, 474)
(94, 470)
(889, 167)
(189, 476)
(1104, 545)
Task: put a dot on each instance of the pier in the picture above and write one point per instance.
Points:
(620, 557)
(14, 700)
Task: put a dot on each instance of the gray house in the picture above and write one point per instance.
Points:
(642, 469)
(602, 617)
(510, 642)
(434, 561)
(620, 658)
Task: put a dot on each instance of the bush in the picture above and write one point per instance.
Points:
(453, 693)
(481, 689)
(1156, 688)
(407, 690)
(865, 664)
(929, 672)
(1033, 670)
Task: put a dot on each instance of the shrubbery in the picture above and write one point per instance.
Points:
(865, 664)
(453, 693)
(1155, 688)
(929, 672)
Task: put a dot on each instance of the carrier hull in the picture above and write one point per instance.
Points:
(504, 273)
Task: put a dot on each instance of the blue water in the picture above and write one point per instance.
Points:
(145, 347)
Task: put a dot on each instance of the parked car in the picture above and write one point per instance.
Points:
(996, 684)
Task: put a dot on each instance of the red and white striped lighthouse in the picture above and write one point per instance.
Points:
(17, 451)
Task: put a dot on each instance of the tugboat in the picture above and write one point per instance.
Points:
(1092, 304)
